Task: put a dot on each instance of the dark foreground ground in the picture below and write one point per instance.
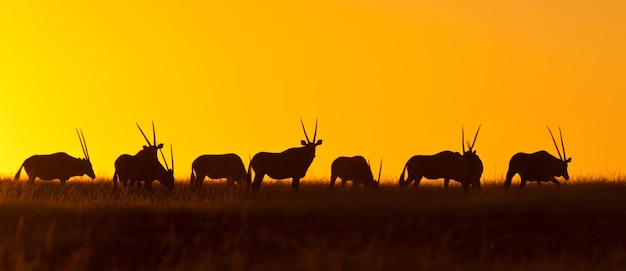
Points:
(89, 226)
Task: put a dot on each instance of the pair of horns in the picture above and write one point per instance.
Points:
(305, 135)
(471, 147)
(172, 158)
(564, 157)
(155, 144)
(83, 143)
(144, 135)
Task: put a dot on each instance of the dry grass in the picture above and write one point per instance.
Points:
(90, 226)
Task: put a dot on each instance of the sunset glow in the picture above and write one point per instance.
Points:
(385, 79)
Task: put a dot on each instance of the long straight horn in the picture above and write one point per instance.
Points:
(315, 133)
(164, 160)
(144, 135)
(153, 134)
(476, 136)
(380, 170)
(463, 138)
(85, 142)
(555, 145)
(562, 144)
(82, 144)
(172, 156)
(304, 129)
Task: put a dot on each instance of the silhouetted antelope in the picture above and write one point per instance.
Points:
(291, 163)
(539, 166)
(143, 166)
(217, 166)
(165, 175)
(354, 168)
(465, 168)
(58, 165)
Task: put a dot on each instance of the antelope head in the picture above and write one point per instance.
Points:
(563, 158)
(310, 145)
(88, 169)
(150, 145)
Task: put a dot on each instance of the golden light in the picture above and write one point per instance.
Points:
(386, 79)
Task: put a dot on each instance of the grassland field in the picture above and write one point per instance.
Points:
(87, 225)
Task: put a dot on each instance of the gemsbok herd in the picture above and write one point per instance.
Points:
(465, 168)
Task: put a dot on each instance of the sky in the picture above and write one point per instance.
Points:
(385, 79)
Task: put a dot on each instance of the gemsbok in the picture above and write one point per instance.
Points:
(356, 169)
(218, 166)
(143, 166)
(466, 168)
(539, 166)
(291, 163)
(165, 175)
(58, 165)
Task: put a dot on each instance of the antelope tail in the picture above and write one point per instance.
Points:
(402, 175)
(115, 179)
(192, 179)
(17, 175)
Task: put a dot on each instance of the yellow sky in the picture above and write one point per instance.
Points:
(385, 79)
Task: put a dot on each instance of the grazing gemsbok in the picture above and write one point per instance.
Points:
(465, 168)
(165, 175)
(356, 169)
(143, 166)
(217, 166)
(291, 163)
(539, 166)
(58, 165)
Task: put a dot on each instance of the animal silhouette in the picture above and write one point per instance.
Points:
(465, 168)
(144, 166)
(538, 166)
(58, 165)
(356, 169)
(291, 163)
(217, 166)
(165, 175)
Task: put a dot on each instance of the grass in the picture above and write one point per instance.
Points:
(90, 226)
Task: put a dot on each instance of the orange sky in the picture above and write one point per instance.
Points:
(386, 79)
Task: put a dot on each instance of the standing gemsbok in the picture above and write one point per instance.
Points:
(58, 165)
(465, 168)
(539, 166)
(143, 166)
(356, 169)
(291, 163)
(218, 166)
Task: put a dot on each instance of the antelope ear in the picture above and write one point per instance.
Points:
(302, 142)
(160, 146)
(319, 142)
(568, 159)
